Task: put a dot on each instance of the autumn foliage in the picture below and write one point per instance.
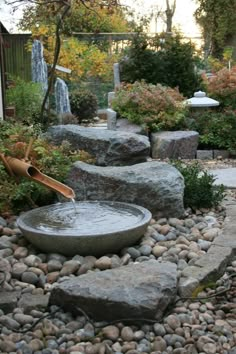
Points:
(222, 86)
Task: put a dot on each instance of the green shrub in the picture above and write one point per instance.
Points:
(217, 130)
(54, 161)
(154, 106)
(27, 98)
(200, 191)
(83, 104)
(168, 60)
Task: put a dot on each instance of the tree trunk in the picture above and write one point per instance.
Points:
(170, 11)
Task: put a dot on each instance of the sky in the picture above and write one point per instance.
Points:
(7, 18)
(183, 18)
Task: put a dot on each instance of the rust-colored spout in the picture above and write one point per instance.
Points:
(16, 167)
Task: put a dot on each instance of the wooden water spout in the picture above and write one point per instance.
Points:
(16, 167)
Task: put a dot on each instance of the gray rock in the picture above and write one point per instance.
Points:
(159, 329)
(29, 277)
(21, 252)
(8, 300)
(159, 344)
(7, 346)
(145, 250)
(70, 267)
(204, 154)
(103, 263)
(9, 322)
(171, 339)
(54, 265)
(177, 144)
(4, 265)
(23, 319)
(173, 321)
(204, 245)
(32, 261)
(5, 244)
(110, 148)
(3, 222)
(30, 302)
(154, 185)
(6, 252)
(133, 252)
(111, 332)
(133, 291)
(127, 334)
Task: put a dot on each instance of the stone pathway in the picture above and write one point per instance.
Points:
(225, 176)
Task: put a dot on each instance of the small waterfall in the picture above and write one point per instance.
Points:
(39, 66)
(62, 97)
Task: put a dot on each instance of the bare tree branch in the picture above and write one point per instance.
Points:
(55, 59)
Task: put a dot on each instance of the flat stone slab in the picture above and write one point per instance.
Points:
(225, 176)
(176, 144)
(156, 186)
(108, 147)
(138, 290)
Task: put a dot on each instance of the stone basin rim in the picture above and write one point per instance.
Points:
(145, 213)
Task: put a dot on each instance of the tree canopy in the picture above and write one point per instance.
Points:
(83, 16)
(218, 22)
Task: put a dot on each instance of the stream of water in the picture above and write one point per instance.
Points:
(74, 206)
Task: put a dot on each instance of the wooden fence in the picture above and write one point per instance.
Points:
(17, 59)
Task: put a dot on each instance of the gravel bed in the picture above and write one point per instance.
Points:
(203, 326)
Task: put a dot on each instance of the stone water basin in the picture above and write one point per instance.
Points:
(84, 228)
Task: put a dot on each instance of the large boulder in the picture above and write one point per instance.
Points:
(174, 145)
(141, 290)
(109, 147)
(157, 186)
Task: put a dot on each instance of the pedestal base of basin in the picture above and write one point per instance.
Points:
(84, 228)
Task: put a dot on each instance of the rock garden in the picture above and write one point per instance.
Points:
(170, 286)
(170, 292)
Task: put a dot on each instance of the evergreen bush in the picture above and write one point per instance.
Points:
(84, 104)
(169, 61)
(217, 130)
(200, 191)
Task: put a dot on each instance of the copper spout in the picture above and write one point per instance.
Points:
(21, 168)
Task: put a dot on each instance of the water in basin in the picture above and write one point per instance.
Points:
(85, 228)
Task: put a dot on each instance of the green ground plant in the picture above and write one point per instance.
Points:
(155, 107)
(200, 191)
(27, 98)
(21, 193)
